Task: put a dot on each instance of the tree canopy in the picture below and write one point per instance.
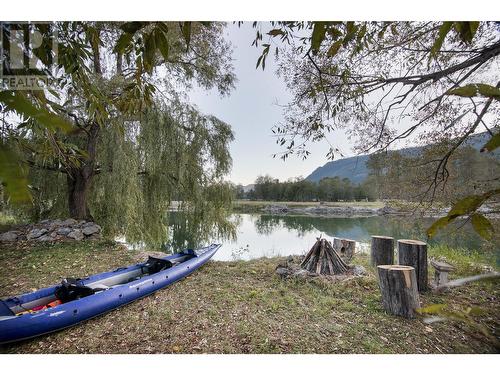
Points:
(384, 82)
(111, 137)
(330, 189)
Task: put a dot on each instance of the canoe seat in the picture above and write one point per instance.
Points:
(154, 265)
(5, 310)
(72, 289)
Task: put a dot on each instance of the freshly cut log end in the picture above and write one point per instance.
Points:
(345, 248)
(323, 259)
(398, 287)
(382, 250)
(414, 253)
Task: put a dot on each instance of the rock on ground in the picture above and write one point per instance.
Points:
(69, 222)
(9, 236)
(76, 235)
(358, 270)
(35, 233)
(64, 231)
(54, 230)
(90, 228)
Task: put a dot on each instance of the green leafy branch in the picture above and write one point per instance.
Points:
(468, 207)
(476, 89)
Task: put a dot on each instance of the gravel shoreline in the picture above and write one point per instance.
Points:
(347, 211)
(355, 211)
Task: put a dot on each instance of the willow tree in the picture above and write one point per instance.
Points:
(115, 141)
(387, 82)
(172, 153)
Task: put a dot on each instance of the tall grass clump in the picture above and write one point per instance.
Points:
(466, 261)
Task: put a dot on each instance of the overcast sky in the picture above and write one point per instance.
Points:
(251, 110)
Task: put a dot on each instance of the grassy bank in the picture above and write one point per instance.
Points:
(7, 221)
(257, 206)
(243, 307)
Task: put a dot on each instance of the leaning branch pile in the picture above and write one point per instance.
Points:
(323, 259)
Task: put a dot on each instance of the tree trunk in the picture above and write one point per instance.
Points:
(382, 250)
(78, 188)
(80, 178)
(345, 248)
(119, 64)
(398, 287)
(414, 253)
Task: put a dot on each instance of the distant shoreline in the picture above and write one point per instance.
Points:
(341, 209)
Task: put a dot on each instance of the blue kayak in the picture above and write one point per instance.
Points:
(76, 300)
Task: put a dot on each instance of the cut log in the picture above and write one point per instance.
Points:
(345, 248)
(414, 253)
(398, 287)
(319, 264)
(322, 259)
(382, 250)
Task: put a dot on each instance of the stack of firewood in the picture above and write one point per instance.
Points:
(323, 259)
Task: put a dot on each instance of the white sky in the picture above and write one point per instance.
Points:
(251, 110)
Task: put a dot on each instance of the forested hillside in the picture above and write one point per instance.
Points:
(355, 168)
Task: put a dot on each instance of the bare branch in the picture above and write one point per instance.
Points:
(467, 280)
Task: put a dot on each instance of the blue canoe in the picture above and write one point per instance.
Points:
(82, 299)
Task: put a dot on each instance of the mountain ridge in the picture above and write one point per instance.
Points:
(355, 168)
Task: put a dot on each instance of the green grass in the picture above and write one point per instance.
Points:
(26, 267)
(466, 262)
(7, 220)
(243, 307)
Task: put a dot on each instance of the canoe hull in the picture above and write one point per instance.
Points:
(30, 325)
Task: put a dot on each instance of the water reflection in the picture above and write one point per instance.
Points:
(361, 229)
(192, 232)
(280, 235)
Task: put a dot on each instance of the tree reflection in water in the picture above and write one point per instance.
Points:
(192, 232)
(248, 236)
(362, 228)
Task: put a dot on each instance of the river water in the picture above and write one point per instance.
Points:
(259, 235)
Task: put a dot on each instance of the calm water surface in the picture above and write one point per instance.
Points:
(281, 235)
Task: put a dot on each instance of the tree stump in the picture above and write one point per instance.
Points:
(414, 253)
(382, 250)
(344, 247)
(322, 259)
(398, 286)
